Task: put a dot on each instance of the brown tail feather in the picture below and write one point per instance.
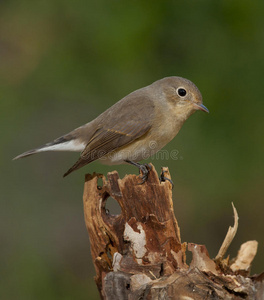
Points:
(80, 163)
(46, 147)
(28, 153)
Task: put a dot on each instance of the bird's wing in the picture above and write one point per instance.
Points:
(118, 127)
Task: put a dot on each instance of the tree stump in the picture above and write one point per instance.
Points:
(139, 254)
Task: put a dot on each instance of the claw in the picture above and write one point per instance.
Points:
(144, 178)
(149, 166)
(144, 168)
(164, 178)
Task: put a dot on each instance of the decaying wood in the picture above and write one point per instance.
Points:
(229, 236)
(245, 256)
(139, 254)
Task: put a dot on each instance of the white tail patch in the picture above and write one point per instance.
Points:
(73, 145)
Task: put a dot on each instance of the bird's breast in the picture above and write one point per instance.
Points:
(160, 134)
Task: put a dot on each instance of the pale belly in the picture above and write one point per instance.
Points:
(141, 149)
(166, 126)
(136, 151)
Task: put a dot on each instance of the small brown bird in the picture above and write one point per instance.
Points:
(134, 128)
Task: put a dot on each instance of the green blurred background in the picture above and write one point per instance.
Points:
(64, 62)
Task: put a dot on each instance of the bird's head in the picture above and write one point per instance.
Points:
(182, 95)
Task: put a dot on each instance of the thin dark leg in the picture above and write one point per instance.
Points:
(144, 168)
(163, 178)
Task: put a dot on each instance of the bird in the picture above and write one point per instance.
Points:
(134, 128)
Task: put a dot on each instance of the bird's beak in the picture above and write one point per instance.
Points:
(201, 107)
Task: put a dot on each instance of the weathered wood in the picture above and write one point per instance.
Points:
(139, 255)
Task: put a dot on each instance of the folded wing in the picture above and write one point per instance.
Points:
(123, 124)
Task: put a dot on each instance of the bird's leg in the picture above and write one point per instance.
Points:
(164, 178)
(144, 168)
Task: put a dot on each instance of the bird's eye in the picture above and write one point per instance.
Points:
(181, 92)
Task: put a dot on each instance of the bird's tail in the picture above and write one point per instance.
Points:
(61, 144)
(81, 162)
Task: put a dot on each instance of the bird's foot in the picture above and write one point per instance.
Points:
(143, 168)
(163, 178)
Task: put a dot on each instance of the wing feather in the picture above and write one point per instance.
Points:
(118, 127)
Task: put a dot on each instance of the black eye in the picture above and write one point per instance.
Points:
(181, 92)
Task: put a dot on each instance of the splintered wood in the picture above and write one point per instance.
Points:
(138, 254)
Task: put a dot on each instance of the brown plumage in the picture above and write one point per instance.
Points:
(153, 114)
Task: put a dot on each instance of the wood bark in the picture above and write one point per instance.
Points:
(138, 254)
